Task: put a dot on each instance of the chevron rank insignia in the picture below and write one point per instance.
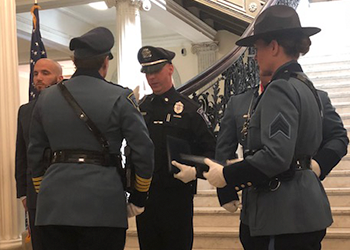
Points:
(279, 125)
(132, 99)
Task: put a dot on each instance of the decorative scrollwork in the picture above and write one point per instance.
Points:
(241, 76)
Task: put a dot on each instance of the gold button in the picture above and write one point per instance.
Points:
(237, 188)
(249, 184)
(243, 186)
(166, 99)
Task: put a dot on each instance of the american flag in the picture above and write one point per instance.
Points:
(37, 49)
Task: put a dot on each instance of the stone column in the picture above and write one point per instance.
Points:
(11, 213)
(127, 43)
(206, 54)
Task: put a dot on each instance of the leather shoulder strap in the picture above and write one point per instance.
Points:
(303, 78)
(83, 116)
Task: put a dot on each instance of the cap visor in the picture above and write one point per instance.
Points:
(153, 68)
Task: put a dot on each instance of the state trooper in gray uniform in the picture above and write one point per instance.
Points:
(284, 205)
(81, 200)
(333, 147)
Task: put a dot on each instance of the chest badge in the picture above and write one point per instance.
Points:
(178, 107)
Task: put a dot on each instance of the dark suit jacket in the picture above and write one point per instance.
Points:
(23, 174)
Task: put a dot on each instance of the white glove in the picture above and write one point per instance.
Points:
(215, 176)
(133, 210)
(232, 206)
(315, 167)
(186, 174)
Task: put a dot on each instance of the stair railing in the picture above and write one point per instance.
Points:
(236, 72)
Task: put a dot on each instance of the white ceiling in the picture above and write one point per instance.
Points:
(61, 20)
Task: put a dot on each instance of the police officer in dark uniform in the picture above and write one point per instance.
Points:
(167, 223)
(284, 204)
(81, 200)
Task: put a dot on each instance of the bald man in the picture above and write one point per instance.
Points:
(46, 73)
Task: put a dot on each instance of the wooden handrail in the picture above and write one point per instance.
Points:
(220, 66)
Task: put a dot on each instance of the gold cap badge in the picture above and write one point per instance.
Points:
(146, 53)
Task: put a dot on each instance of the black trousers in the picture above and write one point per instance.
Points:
(302, 241)
(167, 223)
(34, 231)
(83, 238)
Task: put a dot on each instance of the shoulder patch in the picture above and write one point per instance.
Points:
(132, 99)
(279, 125)
(201, 112)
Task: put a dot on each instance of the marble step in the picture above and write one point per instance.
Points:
(219, 217)
(345, 118)
(337, 179)
(342, 107)
(320, 61)
(338, 197)
(344, 164)
(330, 72)
(218, 238)
(341, 98)
(322, 67)
(337, 93)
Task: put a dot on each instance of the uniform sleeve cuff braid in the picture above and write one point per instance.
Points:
(227, 194)
(242, 175)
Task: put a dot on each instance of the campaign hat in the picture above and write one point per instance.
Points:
(96, 42)
(277, 20)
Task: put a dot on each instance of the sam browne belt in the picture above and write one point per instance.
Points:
(87, 157)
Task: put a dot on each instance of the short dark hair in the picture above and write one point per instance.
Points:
(294, 44)
(90, 63)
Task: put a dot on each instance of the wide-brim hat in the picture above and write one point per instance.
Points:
(96, 42)
(153, 59)
(277, 19)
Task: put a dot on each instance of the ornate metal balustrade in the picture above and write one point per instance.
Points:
(234, 74)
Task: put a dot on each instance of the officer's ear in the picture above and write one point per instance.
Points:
(171, 68)
(275, 47)
(104, 68)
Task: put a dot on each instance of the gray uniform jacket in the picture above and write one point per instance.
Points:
(334, 136)
(285, 125)
(79, 194)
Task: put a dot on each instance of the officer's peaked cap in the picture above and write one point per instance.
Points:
(153, 59)
(277, 20)
(96, 42)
